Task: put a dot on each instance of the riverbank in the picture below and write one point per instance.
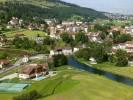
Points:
(110, 67)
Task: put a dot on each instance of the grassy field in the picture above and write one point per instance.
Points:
(110, 67)
(72, 84)
(28, 33)
(14, 52)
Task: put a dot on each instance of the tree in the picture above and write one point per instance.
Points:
(116, 34)
(59, 60)
(123, 38)
(103, 35)
(17, 42)
(83, 53)
(108, 43)
(48, 41)
(121, 58)
(24, 43)
(99, 53)
(81, 38)
(102, 28)
(41, 49)
(66, 38)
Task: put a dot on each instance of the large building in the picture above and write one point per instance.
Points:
(33, 70)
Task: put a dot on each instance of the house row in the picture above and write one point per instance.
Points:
(127, 46)
(69, 27)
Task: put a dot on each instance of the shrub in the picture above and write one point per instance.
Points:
(3, 55)
(32, 95)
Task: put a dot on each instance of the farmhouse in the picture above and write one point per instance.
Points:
(33, 70)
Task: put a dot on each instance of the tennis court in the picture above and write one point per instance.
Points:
(12, 87)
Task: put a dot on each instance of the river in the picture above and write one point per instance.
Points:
(118, 78)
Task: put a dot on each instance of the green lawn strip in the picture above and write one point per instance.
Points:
(29, 33)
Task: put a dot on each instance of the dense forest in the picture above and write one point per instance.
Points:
(28, 9)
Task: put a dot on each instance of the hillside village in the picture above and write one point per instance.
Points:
(53, 30)
(42, 57)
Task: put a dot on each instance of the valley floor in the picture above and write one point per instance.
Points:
(73, 84)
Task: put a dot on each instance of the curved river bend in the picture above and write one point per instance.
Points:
(73, 62)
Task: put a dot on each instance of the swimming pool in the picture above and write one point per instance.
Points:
(39, 78)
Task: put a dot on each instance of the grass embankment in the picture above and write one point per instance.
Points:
(110, 67)
(72, 84)
(28, 33)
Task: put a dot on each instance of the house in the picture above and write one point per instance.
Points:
(33, 70)
(129, 30)
(50, 21)
(52, 29)
(60, 28)
(14, 21)
(75, 49)
(68, 23)
(79, 23)
(4, 63)
(92, 61)
(25, 59)
(32, 26)
(39, 40)
(94, 36)
(65, 51)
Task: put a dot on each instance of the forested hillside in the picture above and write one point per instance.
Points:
(28, 9)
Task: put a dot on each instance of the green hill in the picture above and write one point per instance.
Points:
(27, 9)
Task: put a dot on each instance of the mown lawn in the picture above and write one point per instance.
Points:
(28, 33)
(72, 84)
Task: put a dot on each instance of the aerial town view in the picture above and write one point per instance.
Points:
(66, 50)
